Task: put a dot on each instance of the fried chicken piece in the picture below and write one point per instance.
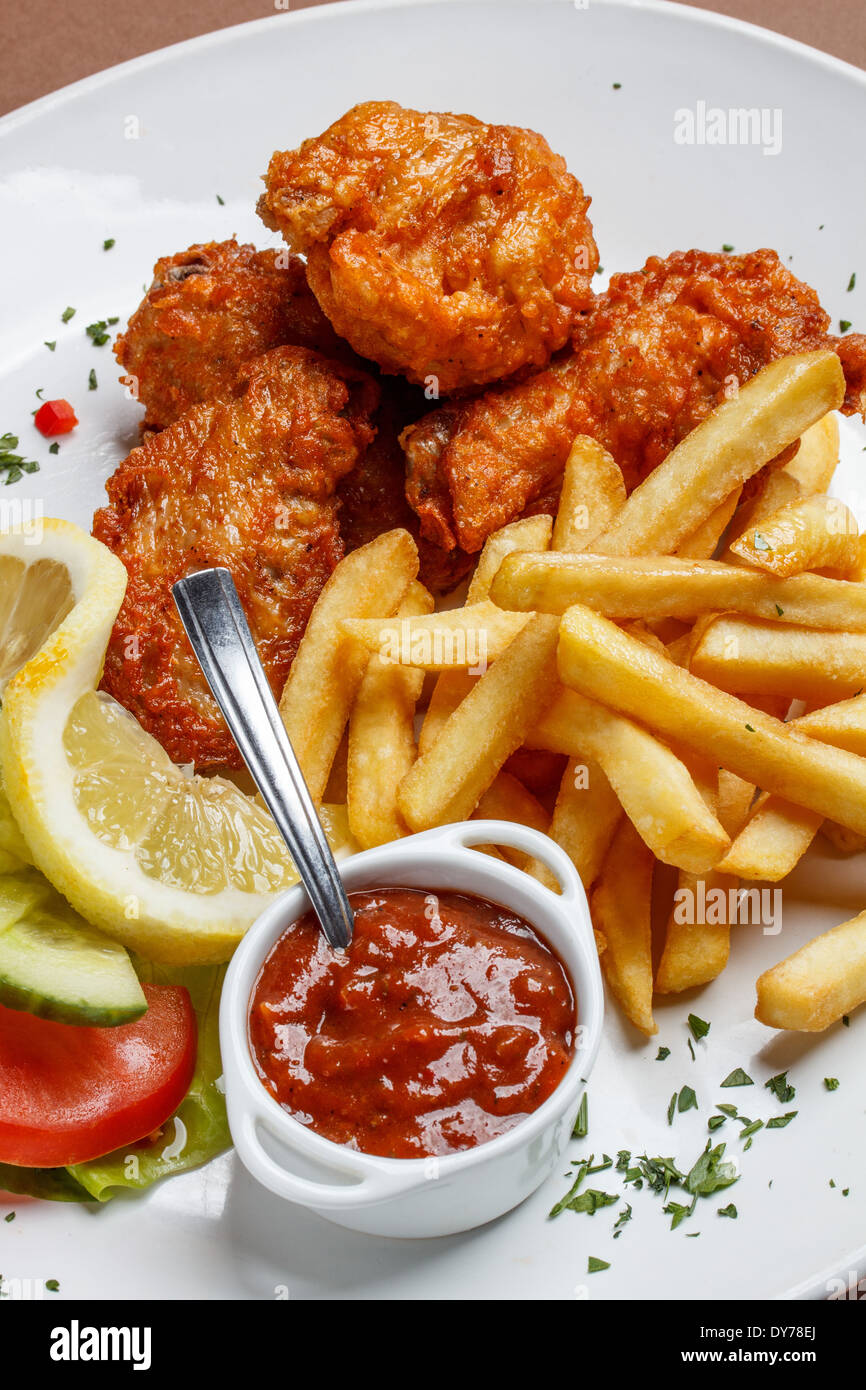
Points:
(247, 482)
(373, 496)
(209, 310)
(648, 362)
(438, 246)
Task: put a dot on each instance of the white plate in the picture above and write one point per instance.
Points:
(209, 113)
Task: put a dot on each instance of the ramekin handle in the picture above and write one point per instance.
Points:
(375, 1184)
(469, 834)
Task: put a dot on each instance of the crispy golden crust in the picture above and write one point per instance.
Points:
(248, 483)
(649, 361)
(214, 307)
(438, 246)
(210, 309)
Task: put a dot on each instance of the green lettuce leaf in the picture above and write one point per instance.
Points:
(197, 1132)
(52, 1184)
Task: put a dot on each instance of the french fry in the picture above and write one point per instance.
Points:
(703, 543)
(680, 649)
(654, 787)
(450, 691)
(810, 471)
(328, 667)
(815, 533)
(507, 799)
(602, 662)
(778, 489)
(448, 780)
(629, 587)
(842, 724)
(769, 413)
(755, 658)
(593, 493)
(527, 533)
(458, 639)
(818, 984)
(817, 457)
(696, 948)
(773, 841)
(844, 840)
(585, 817)
(779, 833)
(382, 738)
(735, 800)
(337, 790)
(587, 809)
(621, 911)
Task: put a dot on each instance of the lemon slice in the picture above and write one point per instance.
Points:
(173, 865)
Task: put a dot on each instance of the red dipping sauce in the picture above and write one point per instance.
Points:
(446, 1022)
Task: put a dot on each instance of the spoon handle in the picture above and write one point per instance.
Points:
(211, 613)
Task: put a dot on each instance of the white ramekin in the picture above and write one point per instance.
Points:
(418, 1196)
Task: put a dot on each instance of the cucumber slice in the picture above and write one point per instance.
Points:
(53, 964)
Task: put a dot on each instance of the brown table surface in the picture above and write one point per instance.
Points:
(46, 45)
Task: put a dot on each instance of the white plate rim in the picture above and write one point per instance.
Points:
(334, 11)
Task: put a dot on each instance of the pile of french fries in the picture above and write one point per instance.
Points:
(710, 710)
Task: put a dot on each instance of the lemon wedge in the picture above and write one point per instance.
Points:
(173, 865)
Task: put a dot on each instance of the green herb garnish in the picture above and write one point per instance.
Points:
(97, 332)
(780, 1121)
(738, 1077)
(677, 1212)
(780, 1087)
(750, 1127)
(51, 346)
(581, 1124)
(621, 1221)
(595, 1266)
(711, 1172)
(68, 313)
(699, 1027)
(91, 380)
(730, 1210)
(52, 1285)
(108, 243)
(831, 1083)
(844, 325)
(853, 281)
(14, 465)
(662, 1054)
(687, 1100)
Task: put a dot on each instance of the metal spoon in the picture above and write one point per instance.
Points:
(211, 612)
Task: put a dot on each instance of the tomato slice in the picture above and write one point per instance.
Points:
(68, 1094)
